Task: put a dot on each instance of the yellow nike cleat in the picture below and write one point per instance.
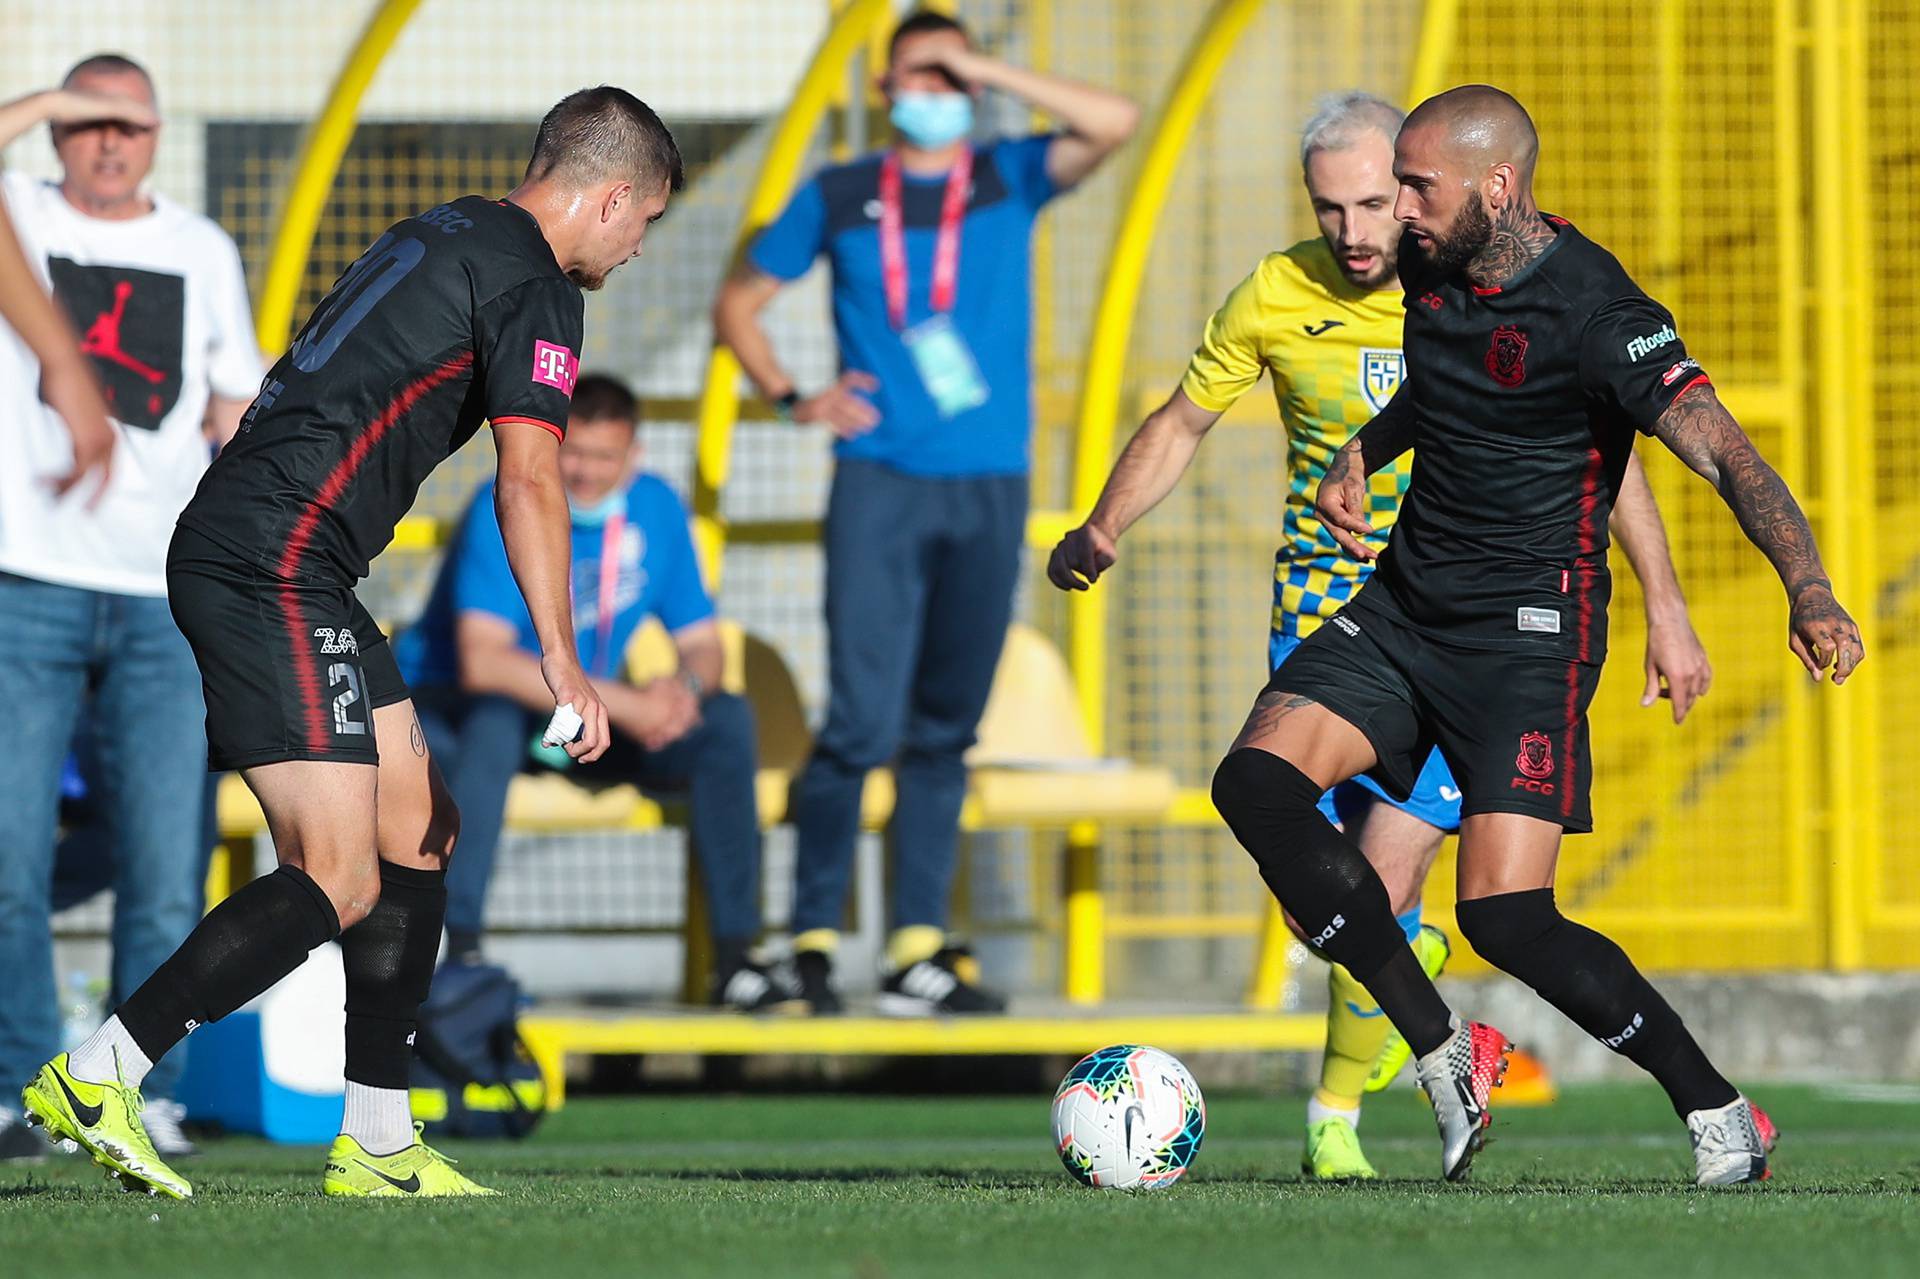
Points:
(1333, 1153)
(105, 1119)
(1433, 950)
(417, 1171)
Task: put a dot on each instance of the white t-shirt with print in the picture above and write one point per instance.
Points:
(160, 304)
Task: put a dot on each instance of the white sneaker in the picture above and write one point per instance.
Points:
(1728, 1146)
(163, 1117)
(1458, 1077)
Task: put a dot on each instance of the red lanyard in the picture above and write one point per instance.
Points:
(609, 583)
(946, 253)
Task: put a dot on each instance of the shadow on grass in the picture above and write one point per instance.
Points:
(957, 1177)
(1611, 1188)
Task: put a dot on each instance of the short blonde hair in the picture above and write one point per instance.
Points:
(1342, 119)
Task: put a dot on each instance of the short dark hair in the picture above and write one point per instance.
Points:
(599, 398)
(604, 132)
(108, 64)
(922, 21)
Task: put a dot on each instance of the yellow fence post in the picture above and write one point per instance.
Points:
(720, 397)
(1791, 299)
(1086, 922)
(1439, 29)
(1840, 188)
(313, 173)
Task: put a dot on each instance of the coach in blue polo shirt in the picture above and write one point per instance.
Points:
(929, 245)
(473, 663)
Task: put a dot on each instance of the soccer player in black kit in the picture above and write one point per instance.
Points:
(1532, 359)
(469, 312)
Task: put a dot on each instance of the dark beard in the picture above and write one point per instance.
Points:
(1457, 246)
(589, 283)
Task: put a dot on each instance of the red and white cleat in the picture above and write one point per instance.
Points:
(1458, 1077)
(1730, 1144)
(1762, 1124)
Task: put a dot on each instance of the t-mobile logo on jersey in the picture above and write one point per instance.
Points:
(555, 366)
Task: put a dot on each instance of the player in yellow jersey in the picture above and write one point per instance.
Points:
(1324, 318)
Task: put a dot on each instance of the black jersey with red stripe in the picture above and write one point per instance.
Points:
(1528, 397)
(455, 317)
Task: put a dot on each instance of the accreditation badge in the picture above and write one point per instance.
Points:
(946, 366)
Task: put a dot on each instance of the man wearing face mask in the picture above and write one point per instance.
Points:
(929, 244)
(473, 662)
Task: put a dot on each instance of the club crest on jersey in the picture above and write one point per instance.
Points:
(555, 366)
(1536, 756)
(1507, 356)
(1380, 374)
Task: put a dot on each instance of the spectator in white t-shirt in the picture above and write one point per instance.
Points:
(156, 294)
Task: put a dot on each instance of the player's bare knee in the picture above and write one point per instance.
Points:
(354, 890)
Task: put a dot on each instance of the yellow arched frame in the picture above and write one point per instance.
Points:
(1099, 419)
(318, 164)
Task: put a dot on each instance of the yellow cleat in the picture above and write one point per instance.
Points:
(417, 1171)
(1433, 951)
(1333, 1153)
(105, 1120)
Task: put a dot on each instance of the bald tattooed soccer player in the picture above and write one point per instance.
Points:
(466, 313)
(1532, 359)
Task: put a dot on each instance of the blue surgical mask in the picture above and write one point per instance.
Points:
(600, 512)
(932, 120)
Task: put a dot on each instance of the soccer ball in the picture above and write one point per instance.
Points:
(1128, 1118)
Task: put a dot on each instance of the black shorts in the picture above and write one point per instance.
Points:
(291, 670)
(1511, 725)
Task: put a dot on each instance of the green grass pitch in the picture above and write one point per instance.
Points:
(884, 1186)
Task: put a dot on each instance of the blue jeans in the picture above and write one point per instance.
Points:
(121, 661)
(920, 579)
(481, 742)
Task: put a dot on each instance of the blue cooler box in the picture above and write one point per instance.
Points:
(275, 1068)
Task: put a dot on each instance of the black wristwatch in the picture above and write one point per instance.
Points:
(784, 406)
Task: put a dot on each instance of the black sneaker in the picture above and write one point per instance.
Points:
(754, 988)
(946, 984)
(813, 975)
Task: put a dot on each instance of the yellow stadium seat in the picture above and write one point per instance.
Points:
(1033, 765)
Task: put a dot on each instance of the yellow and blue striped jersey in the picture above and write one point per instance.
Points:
(1334, 352)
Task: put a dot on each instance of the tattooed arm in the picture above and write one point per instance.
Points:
(1342, 501)
(1701, 433)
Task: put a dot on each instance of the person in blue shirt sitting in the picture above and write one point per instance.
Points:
(930, 248)
(473, 662)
